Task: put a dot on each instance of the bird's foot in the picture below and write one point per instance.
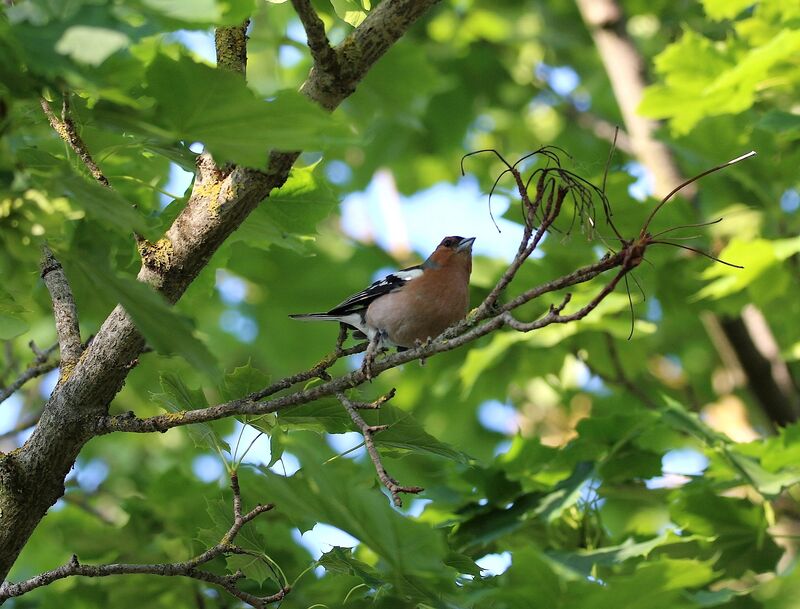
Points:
(374, 347)
(421, 343)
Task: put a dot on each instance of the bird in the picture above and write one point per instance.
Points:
(412, 305)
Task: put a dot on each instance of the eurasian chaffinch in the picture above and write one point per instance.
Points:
(411, 305)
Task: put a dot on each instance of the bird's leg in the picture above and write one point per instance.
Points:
(373, 348)
(421, 343)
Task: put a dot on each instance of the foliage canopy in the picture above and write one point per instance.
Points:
(552, 451)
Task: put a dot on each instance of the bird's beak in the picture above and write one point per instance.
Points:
(465, 245)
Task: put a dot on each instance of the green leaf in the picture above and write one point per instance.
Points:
(784, 125)
(255, 568)
(11, 326)
(199, 13)
(702, 78)
(164, 329)
(327, 493)
(737, 527)
(566, 493)
(326, 415)
(757, 256)
(177, 397)
(91, 45)
(100, 203)
(351, 11)
(678, 417)
(11, 321)
(341, 560)
(243, 381)
(105, 205)
(227, 117)
(289, 217)
(406, 433)
(462, 563)
(584, 561)
(765, 482)
(302, 202)
(725, 9)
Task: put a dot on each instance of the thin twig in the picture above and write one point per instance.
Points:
(21, 425)
(65, 128)
(319, 370)
(369, 431)
(684, 184)
(38, 367)
(81, 502)
(622, 377)
(188, 568)
(64, 311)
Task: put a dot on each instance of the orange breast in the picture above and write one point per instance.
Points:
(422, 311)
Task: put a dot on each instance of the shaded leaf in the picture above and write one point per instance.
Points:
(176, 397)
(341, 560)
(227, 117)
(326, 493)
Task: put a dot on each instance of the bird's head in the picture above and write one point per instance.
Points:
(452, 250)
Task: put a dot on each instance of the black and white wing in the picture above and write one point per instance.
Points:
(390, 283)
(353, 311)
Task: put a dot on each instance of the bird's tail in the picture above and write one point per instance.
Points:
(315, 317)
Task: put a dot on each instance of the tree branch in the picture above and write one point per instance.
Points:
(32, 478)
(187, 568)
(38, 367)
(458, 335)
(66, 315)
(230, 44)
(325, 59)
(369, 431)
(383, 26)
(65, 128)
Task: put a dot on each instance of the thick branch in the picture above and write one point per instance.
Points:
(66, 130)
(455, 337)
(760, 359)
(384, 25)
(32, 478)
(188, 568)
(66, 315)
